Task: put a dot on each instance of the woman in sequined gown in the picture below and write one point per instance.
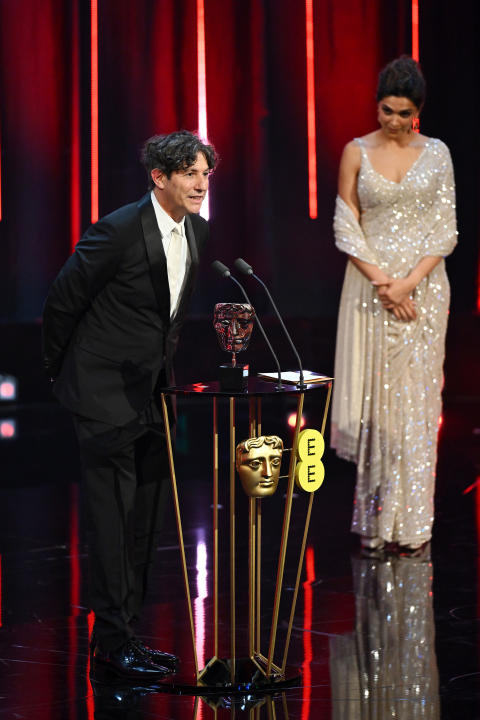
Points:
(395, 219)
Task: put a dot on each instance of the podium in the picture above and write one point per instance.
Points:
(257, 672)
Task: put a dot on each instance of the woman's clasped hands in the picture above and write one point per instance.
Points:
(396, 296)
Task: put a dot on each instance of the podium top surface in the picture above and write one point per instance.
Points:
(256, 387)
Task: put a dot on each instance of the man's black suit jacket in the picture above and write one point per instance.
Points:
(107, 334)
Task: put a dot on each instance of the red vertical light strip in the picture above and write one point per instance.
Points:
(311, 132)
(75, 133)
(94, 108)
(307, 632)
(415, 41)
(201, 71)
(90, 702)
(202, 87)
(415, 50)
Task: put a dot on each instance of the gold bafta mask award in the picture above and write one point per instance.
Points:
(258, 462)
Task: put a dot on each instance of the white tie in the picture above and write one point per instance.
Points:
(175, 267)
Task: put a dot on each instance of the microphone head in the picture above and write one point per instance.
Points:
(221, 269)
(243, 266)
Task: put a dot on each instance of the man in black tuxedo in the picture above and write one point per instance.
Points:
(111, 325)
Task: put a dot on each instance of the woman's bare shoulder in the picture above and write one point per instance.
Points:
(371, 140)
(351, 153)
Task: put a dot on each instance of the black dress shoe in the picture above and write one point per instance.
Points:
(158, 656)
(129, 661)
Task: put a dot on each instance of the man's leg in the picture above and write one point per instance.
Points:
(108, 464)
(152, 495)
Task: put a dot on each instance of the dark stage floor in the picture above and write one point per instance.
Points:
(379, 637)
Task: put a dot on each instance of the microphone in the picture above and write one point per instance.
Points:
(224, 272)
(247, 269)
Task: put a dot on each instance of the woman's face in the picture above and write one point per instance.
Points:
(395, 115)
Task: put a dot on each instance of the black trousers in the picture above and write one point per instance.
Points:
(125, 473)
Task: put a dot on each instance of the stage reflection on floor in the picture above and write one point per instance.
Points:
(384, 636)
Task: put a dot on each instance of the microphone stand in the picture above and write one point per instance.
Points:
(248, 270)
(223, 270)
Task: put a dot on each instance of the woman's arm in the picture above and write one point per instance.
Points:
(396, 290)
(347, 189)
(440, 239)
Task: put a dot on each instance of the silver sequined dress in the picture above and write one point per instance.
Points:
(388, 373)
(386, 668)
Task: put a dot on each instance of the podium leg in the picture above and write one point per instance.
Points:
(259, 576)
(284, 540)
(251, 574)
(179, 526)
(215, 528)
(253, 504)
(232, 538)
(304, 543)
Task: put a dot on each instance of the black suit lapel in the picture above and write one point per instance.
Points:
(192, 270)
(156, 257)
(192, 243)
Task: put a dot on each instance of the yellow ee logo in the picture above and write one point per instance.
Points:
(310, 471)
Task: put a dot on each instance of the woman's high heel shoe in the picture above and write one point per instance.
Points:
(372, 543)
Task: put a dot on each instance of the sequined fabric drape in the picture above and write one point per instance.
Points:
(388, 373)
(387, 667)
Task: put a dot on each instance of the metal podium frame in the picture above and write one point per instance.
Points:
(272, 675)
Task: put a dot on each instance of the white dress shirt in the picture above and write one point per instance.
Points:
(176, 251)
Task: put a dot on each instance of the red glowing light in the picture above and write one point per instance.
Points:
(311, 132)
(440, 421)
(7, 429)
(94, 108)
(75, 219)
(89, 699)
(292, 420)
(307, 632)
(472, 486)
(202, 87)
(7, 390)
(199, 387)
(415, 40)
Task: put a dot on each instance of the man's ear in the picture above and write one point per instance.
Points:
(158, 177)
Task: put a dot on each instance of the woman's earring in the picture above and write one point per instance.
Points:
(416, 124)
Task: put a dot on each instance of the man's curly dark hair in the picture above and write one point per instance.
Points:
(176, 151)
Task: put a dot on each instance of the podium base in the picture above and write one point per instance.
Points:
(215, 682)
(245, 675)
(234, 378)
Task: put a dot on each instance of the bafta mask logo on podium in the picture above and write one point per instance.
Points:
(258, 462)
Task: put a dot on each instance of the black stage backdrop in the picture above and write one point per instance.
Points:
(256, 99)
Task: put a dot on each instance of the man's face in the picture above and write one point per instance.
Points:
(233, 324)
(183, 192)
(259, 470)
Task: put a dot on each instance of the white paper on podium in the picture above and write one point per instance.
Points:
(292, 377)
